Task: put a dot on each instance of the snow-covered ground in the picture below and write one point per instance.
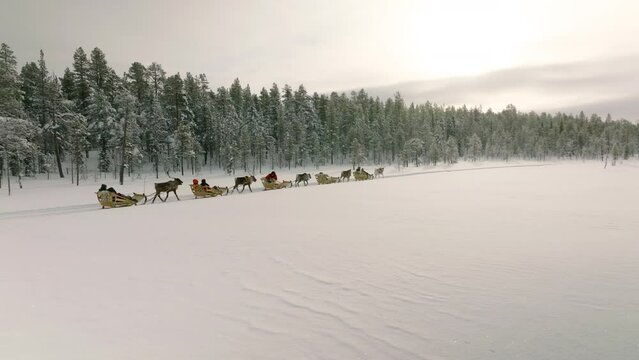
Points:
(532, 262)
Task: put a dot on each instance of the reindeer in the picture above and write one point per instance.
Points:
(305, 177)
(379, 172)
(346, 175)
(244, 181)
(167, 187)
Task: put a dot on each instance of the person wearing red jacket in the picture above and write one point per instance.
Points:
(271, 177)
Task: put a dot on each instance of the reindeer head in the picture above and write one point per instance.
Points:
(178, 181)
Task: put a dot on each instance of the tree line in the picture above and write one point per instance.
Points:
(174, 123)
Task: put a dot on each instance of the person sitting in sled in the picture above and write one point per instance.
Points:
(271, 177)
(205, 185)
(112, 191)
(195, 182)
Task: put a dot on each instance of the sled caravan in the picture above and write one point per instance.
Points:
(110, 198)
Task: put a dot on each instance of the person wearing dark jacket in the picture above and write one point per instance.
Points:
(112, 191)
(205, 185)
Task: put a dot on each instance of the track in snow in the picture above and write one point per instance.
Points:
(60, 210)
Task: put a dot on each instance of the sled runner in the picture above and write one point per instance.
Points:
(202, 191)
(275, 185)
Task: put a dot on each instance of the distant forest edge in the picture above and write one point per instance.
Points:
(179, 124)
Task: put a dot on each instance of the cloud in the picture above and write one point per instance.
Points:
(604, 86)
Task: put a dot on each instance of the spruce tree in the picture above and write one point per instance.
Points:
(68, 85)
(102, 126)
(10, 94)
(127, 129)
(81, 80)
(78, 142)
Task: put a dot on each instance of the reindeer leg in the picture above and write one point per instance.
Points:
(175, 195)
(166, 197)
(156, 195)
(249, 185)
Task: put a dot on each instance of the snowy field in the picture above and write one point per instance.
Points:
(528, 262)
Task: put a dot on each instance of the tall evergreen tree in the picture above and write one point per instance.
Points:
(78, 132)
(81, 80)
(10, 94)
(102, 126)
(127, 130)
(99, 71)
(68, 85)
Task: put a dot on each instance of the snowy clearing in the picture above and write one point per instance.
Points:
(533, 262)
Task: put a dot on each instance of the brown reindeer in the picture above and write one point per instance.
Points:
(379, 172)
(244, 181)
(305, 177)
(345, 175)
(167, 187)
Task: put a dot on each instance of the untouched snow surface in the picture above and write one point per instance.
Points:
(511, 263)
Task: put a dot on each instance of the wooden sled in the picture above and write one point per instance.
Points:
(325, 179)
(200, 191)
(113, 200)
(362, 175)
(274, 185)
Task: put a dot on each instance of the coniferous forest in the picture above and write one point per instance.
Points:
(179, 123)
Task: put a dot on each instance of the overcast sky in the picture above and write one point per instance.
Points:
(541, 55)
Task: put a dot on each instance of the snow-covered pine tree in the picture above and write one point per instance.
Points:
(197, 94)
(451, 151)
(54, 129)
(10, 94)
(412, 151)
(157, 76)
(137, 82)
(181, 125)
(273, 116)
(81, 80)
(43, 101)
(474, 148)
(17, 142)
(99, 73)
(127, 134)
(78, 142)
(186, 145)
(29, 78)
(307, 127)
(288, 126)
(67, 85)
(229, 130)
(102, 126)
(434, 153)
(155, 135)
(175, 101)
